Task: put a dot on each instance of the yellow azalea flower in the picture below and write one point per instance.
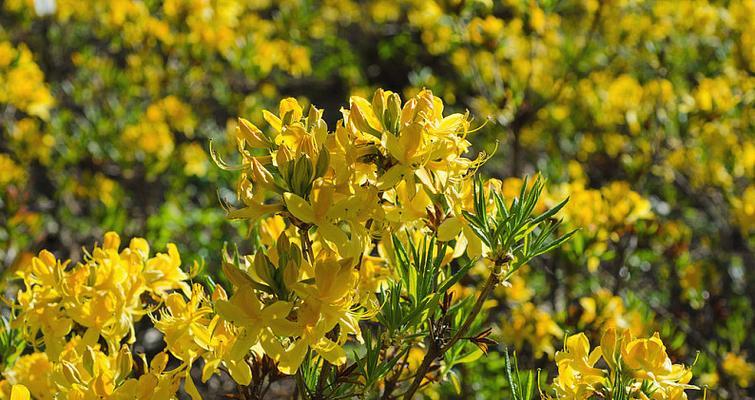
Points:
(737, 366)
(42, 310)
(154, 383)
(326, 304)
(163, 271)
(102, 295)
(577, 376)
(33, 371)
(406, 206)
(424, 145)
(253, 318)
(185, 325)
(224, 339)
(646, 357)
(534, 326)
(325, 212)
(22, 82)
(255, 206)
(638, 367)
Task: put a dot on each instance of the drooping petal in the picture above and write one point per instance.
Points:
(330, 351)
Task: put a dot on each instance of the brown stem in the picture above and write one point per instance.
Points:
(306, 244)
(390, 383)
(436, 351)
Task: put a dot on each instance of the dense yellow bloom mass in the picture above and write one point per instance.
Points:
(22, 82)
(637, 367)
(66, 311)
(382, 164)
(639, 111)
(339, 216)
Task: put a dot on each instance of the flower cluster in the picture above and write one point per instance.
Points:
(640, 111)
(80, 321)
(22, 83)
(638, 368)
(360, 237)
(336, 197)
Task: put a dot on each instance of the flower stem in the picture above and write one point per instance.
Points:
(436, 351)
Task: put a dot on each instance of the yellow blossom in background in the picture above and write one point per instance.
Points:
(533, 328)
(195, 158)
(22, 83)
(737, 366)
(11, 172)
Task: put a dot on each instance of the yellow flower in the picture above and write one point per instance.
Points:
(577, 376)
(647, 358)
(325, 212)
(33, 371)
(195, 159)
(534, 326)
(22, 82)
(163, 271)
(326, 304)
(246, 312)
(185, 325)
(737, 366)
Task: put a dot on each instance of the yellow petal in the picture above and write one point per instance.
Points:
(252, 135)
(254, 212)
(299, 208)
(240, 372)
(336, 236)
(271, 119)
(449, 229)
(277, 310)
(189, 386)
(409, 142)
(330, 351)
(289, 104)
(391, 177)
(139, 245)
(209, 368)
(291, 360)
(112, 241)
(364, 117)
(19, 392)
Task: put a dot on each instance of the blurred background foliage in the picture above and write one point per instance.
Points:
(640, 111)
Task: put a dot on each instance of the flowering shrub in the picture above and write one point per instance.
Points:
(639, 112)
(360, 233)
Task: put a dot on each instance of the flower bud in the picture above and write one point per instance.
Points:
(70, 373)
(301, 180)
(264, 269)
(124, 364)
(378, 103)
(290, 273)
(282, 158)
(323, 162)
(158, 363)
(393, 112)
(360, 109)
(290, 110)
(88, 360)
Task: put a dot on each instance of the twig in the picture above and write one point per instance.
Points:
(436, 350)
